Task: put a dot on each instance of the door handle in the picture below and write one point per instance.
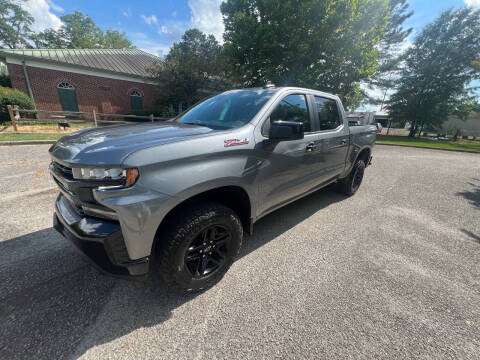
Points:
(311, 146)
(344, 141)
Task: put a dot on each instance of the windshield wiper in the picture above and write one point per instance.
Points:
(195, 123)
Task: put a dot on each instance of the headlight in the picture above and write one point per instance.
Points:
(129, 175)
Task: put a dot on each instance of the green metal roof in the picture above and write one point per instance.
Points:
(122, 61)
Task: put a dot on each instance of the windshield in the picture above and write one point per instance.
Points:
(228, 110)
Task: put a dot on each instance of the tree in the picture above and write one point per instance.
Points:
(50, 39)
(189, 69)
(323, 44)
(113, 39)
(390, 52)
(79, 31)
(443, 60)
(14, 25)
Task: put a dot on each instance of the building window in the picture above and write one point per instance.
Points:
(136, 100)
(68, 96)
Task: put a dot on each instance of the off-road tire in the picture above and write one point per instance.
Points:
(352, 182)
(174, 243)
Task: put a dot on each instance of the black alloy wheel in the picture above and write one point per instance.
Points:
(357, 177)
(197, 246)
(352, 182)
(208, 251)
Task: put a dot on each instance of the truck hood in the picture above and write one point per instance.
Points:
(111, 145)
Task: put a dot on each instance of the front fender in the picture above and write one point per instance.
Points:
(141, 210)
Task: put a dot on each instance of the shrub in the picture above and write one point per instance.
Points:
(9, 96)
(5, 80)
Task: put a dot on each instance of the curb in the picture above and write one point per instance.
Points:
(27, 142)
(429, 148)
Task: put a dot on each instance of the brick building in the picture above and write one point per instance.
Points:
(109, 81)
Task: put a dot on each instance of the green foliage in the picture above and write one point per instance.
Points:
(51, 39)
(9, 96)
(31, 137)
(430, 143)
(5, 80)
(323, 44)
(14, 25)
(79, 31)
(390, 52)
(192, 67)
(113, 39)
(438, 67)
(395, 34)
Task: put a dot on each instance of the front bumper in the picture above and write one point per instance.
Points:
(99, 240)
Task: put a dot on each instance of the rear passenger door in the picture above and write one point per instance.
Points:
(333, 136)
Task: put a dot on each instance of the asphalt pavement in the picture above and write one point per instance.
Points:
(392, 272)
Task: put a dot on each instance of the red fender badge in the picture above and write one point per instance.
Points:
(235, 142)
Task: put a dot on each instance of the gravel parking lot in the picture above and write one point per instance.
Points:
(392, 272)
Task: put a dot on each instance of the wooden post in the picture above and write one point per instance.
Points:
(16, 112)
(12, 117)
(151, 117)
(95, 118)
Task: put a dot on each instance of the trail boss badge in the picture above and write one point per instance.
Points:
(235, 142)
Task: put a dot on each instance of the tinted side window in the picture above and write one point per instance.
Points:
(328, 115)
(292, 108)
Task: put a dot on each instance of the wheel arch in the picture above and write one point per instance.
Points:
(357, 153)
(234, 197)
(364, 154)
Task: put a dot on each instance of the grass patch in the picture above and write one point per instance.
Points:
(460, 145)
(24, 137)
(53, 124)
(43, 127)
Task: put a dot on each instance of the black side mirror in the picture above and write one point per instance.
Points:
(286, 130)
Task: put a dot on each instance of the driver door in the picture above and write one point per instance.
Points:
(289, 166)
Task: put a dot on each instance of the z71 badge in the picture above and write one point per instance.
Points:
(235, 142)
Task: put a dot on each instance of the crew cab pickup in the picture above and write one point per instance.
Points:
(173, 199)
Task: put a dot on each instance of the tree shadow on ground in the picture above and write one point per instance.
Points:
(473, 195)
(471, 234)
(53, 305)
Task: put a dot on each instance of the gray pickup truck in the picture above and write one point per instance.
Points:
(173, 199)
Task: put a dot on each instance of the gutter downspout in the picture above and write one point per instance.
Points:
(27, 79)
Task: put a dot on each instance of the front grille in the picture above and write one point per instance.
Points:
(64, 170)
(79, 192)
